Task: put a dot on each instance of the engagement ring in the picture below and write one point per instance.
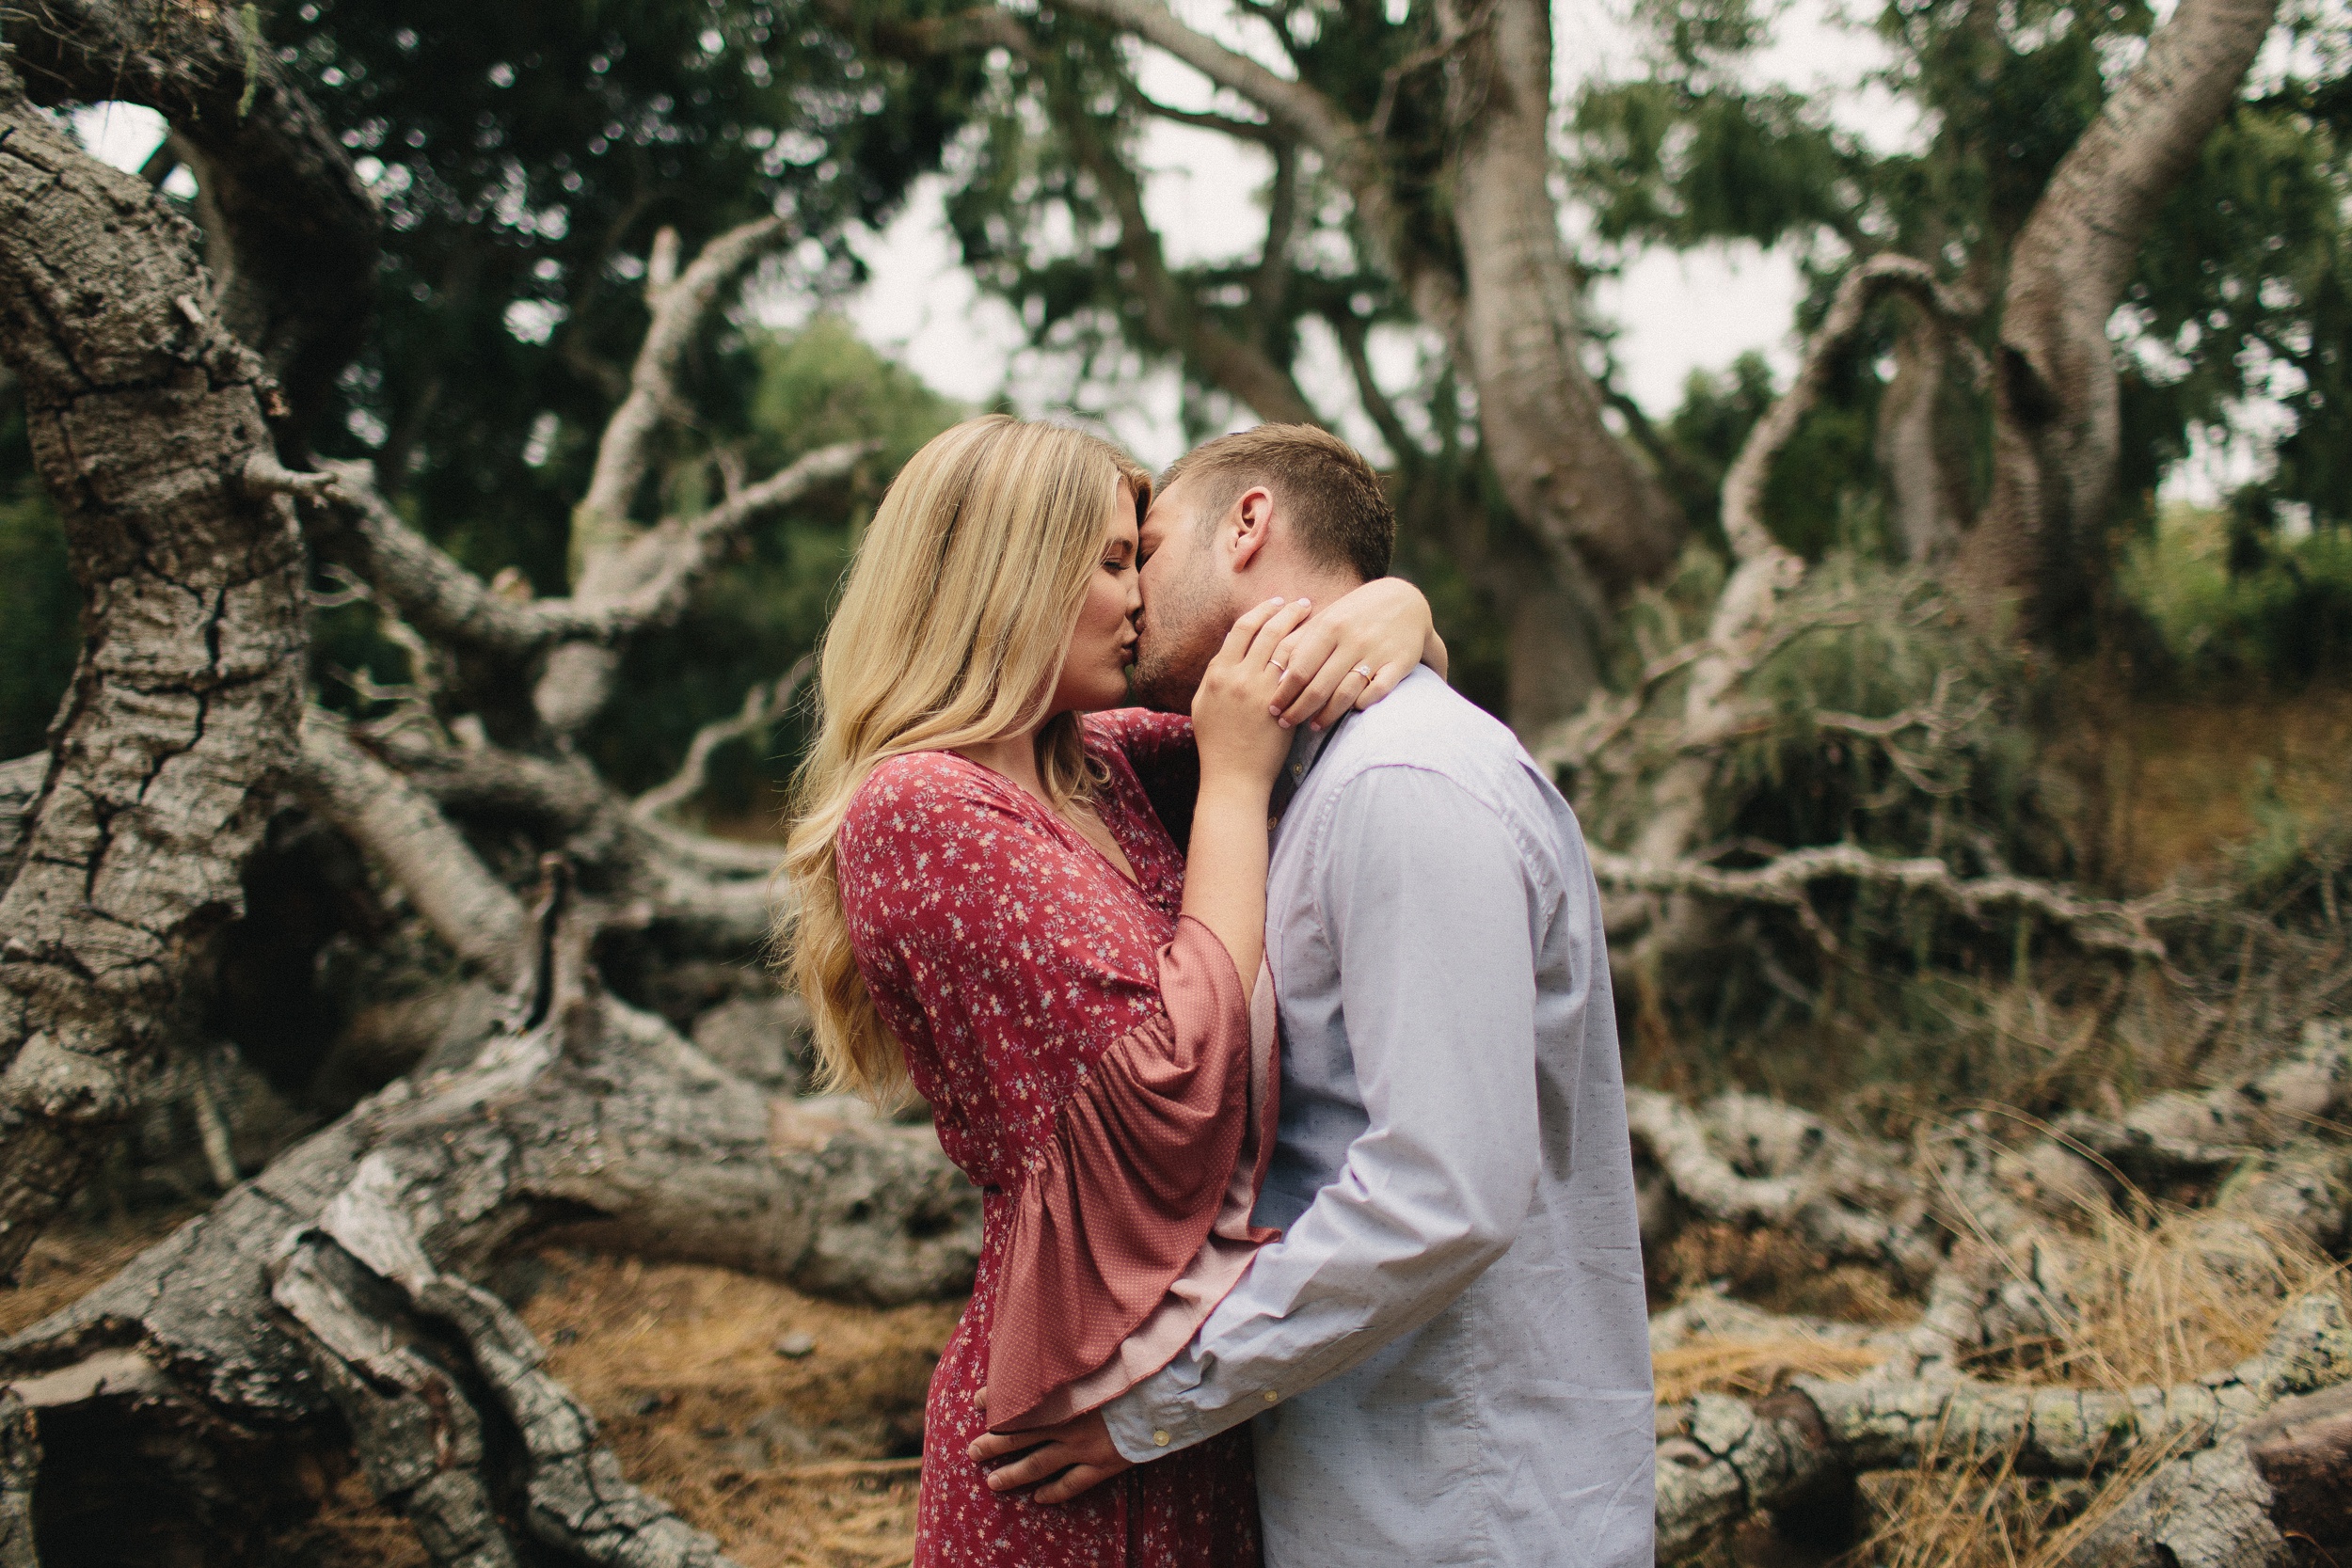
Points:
(1364, 670)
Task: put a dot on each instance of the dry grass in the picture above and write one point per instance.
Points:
(2161, 1299)
(1751, 1368)
(2171, 1296)
(67, 1260)
(2160, 1296)
(2177, 772)
(680, 1363)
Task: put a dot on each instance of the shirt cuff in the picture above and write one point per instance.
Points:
(1161, 1414)
(1144, 1428)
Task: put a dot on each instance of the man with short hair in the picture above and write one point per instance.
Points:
(1446, 1353)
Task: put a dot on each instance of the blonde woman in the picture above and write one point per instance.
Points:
(986, 904)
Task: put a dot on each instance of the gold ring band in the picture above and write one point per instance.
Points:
(1364, 670)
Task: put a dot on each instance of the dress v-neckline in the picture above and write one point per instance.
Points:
(1134, 878)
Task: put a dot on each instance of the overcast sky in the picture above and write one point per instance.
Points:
(1675, 313)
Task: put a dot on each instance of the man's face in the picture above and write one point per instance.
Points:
(1187, 604)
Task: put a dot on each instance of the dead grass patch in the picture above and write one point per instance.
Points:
(1751, 1368)
(1776, 1270)
(66, 1260)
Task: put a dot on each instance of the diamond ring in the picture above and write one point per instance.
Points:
(1364, 670)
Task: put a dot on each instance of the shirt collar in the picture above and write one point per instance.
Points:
(1306, 748)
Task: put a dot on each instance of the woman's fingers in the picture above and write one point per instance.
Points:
(1314, 702)
(1269, 636)
(1344, 695)
(1301, 657)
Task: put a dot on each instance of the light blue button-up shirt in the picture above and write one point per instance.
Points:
(1447, 1353)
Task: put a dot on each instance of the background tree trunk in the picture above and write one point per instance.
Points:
(1574, 483)
(2041, 541)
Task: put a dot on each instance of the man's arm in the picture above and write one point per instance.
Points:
(1424, 898)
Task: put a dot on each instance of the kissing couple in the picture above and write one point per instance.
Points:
(1309, 1230)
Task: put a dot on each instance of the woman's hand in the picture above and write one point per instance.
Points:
(1354, 652)
(1240, 745)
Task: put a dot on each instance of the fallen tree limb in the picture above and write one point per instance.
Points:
(1731, 1459)
(2276, 1492)
(1849, 1203)
(593, 1123)
(2099, 924)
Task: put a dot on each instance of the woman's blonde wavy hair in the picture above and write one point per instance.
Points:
(950, 631)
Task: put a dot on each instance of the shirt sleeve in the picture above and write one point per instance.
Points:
(1426, 900)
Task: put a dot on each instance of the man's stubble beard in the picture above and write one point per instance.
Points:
(1183, 632)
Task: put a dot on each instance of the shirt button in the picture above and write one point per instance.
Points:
(1159, 1439)
(1272, 1397)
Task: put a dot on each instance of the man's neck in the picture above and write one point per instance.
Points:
(1320, 589)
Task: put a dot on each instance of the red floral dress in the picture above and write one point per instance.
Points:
(1008, 955)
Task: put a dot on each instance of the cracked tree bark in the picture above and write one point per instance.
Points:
(165, 760)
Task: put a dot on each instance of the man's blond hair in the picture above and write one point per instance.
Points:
(1336, 505)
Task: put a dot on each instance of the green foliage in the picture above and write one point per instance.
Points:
(2244, 289)
(525, 155)
(2241, 602)
(39, 635)
(40, 631)
(819, 386)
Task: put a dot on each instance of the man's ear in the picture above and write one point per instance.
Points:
(1252, 521)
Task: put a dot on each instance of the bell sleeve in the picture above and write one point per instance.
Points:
(1133, 1221)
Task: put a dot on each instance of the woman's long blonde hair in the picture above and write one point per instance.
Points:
(950, 633)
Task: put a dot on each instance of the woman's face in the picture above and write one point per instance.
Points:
(1102, 643)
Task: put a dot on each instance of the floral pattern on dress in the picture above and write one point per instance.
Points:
(1007, 953)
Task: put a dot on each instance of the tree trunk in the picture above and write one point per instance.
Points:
(1927, 479)
(1571, 479)
(142, 411)
(295, 281)
(1554, 651)
(2041, 544)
